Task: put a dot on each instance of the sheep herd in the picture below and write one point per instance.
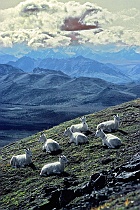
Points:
(77, 136)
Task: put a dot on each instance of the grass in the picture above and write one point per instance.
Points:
(23, 187)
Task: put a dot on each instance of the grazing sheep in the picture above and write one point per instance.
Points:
(110, 125)
(49, 144)
(81, 127)
(22, 160)
(54, 168)
(75, 137)
(108, 139)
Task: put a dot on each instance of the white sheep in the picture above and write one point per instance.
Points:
(110, 125)
(75, 137)
(54, 168)
(22, 160)
(109, 140)
(81, 127)
(49, 144)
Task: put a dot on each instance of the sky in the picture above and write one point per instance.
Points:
(52, 23)
(111, 5)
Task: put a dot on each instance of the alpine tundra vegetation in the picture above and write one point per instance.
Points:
(95, 177)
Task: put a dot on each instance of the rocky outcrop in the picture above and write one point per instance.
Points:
(98, 190)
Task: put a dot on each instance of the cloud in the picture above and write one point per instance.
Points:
(42, 23)
(128, 18)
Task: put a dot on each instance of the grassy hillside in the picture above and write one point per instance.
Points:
(25, 189)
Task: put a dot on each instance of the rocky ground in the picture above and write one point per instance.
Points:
(95, 177)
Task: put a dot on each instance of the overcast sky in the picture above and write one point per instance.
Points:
(112, 5)
(52, 23)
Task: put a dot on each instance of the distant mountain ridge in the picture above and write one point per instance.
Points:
(75, 67)
(76, 61)
(122, 55)
(54, 87)
(48, 71)
(27, 64)
(5, 58)
(8, 69)
(88, 52)
(33, 101)
(96, 53)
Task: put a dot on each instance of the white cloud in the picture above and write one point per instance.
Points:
(128, 18)
(38, 23)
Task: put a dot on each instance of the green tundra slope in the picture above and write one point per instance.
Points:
(23, 188)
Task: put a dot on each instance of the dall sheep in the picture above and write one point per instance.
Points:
(49, 144)
(22, 160)
(110, 125)
(81, 127)
(54, 168)
(75, 137)
(109, 140)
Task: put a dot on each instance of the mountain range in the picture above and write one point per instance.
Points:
(7, 69)
(116, 67)
(33, 101)
(5, 58)
(51, 87)
(77, 67)
(126, 54)
(40, 92)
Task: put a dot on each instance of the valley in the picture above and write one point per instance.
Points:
(20, 121)
(41, 90)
